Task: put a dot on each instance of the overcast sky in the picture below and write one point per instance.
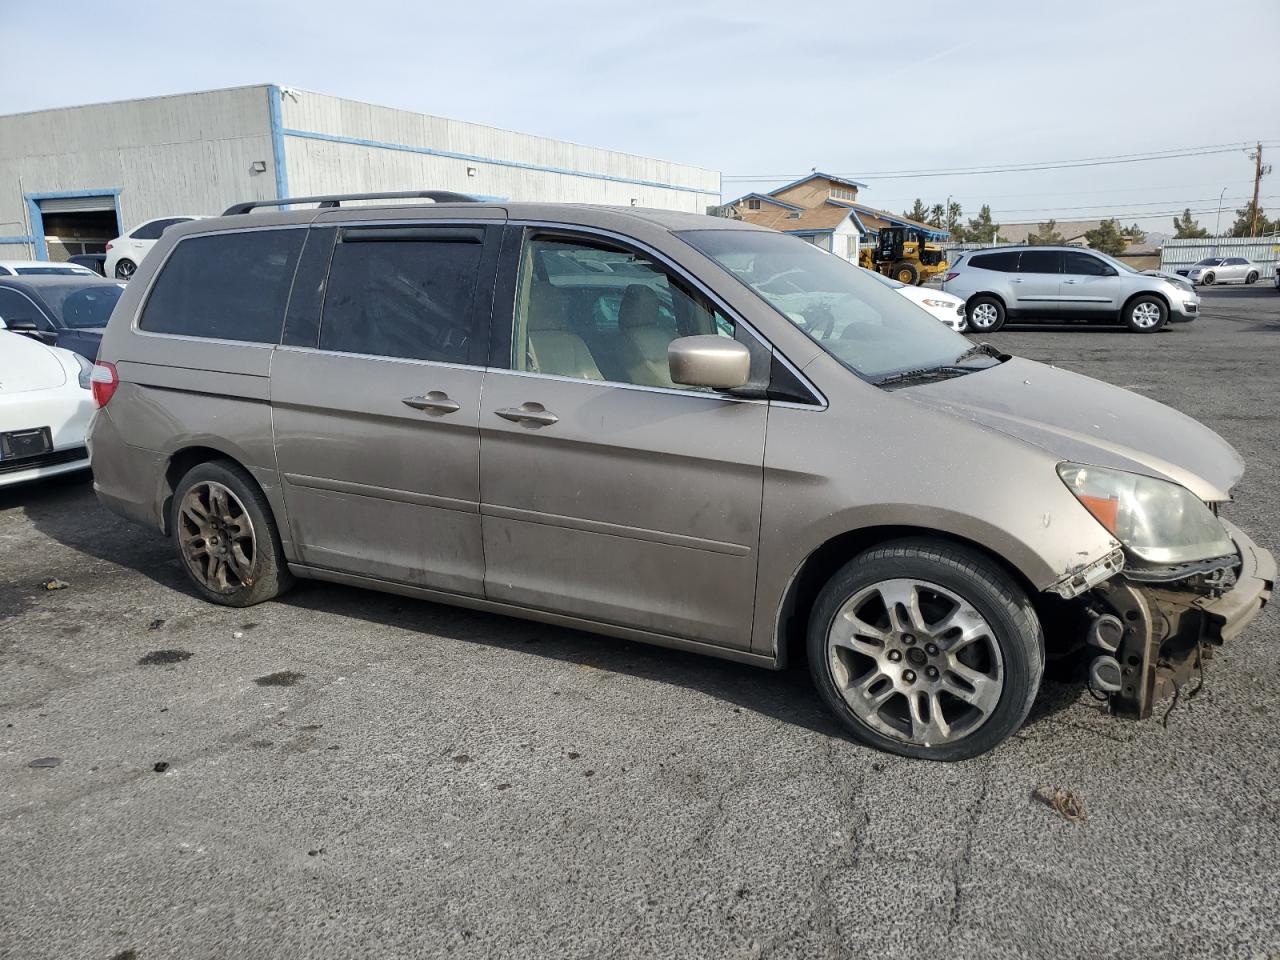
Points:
(741, 87)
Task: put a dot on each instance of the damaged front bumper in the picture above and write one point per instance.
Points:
(1155, 632)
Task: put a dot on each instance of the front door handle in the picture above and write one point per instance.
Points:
(534, 413)
(1015, 280)
(1070, 281)
(436, 401)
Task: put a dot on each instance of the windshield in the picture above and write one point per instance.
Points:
(872, 330)
(81, 306)
(1209, 262)
(52, 271)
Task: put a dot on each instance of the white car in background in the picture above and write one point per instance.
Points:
(948, 309)
(42, 268)
(46, 402)
(1213, 270)
(126, 252)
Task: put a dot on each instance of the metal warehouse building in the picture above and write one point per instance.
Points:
(73, 178)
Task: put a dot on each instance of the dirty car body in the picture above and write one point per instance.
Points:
(677, 429)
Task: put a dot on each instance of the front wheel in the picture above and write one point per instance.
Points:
(226, 536)
(1207, 280)
(1145, 314)
(1252, 277)
(904, 271)
(926, 649)
(986, 315)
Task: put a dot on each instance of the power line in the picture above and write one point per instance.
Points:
(1174, 154)
(1128, 206)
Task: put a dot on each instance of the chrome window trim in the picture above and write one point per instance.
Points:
(691, 280)
(417, 361)
(674, 391)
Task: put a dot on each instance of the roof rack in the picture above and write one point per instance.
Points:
(336, 200)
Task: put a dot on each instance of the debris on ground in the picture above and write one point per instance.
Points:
(45, 762)
(161, 766)
(237, 634)
(462, 758)
(503, 786)
(53, 583)
(1063, 802)
(281, 678)
(574, 756)
(160, 657)
(156, 624)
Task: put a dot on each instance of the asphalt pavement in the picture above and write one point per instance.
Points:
(343, 773)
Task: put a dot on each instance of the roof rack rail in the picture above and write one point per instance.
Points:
(336, 200)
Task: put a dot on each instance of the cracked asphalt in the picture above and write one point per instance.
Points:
(356, 774)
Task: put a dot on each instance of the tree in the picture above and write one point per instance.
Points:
(1185, 228)
(1107, 239)
(918, 211)
(1047, 233)
(981, 229)
(1134, 234)
(1243, 227)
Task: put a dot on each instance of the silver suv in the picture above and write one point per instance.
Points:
(671, 428)
(1065, 283)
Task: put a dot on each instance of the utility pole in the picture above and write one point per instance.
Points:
(1257, 182)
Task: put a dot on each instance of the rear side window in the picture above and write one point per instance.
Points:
(403, 292)
(1002, 262)
(152, 230)
(1040, 261)
(227, 286)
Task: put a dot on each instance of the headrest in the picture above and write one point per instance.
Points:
(639, 307)
(548, 309)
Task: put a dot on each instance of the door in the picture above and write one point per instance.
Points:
(609, 492)
(1236, 268)
(1037, 284)
(375, 411)
(1089, 283)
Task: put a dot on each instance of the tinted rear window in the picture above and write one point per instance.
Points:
(1003, 262)
(408, 298)
(1040, 261)
(229, 286)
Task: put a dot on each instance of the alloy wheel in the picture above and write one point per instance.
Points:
(125, 269)
(915, 661)
(217, 537)
(1146, 314)
(984, 315)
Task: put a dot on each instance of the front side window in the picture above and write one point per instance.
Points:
(1083, 265)
(226, 286)
(871, 329)
(598, 312)
(403, 292)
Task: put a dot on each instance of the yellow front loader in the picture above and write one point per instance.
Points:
(905, 255)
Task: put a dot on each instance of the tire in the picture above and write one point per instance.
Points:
(1007, 650)
(904, 271)
(236, 576)
(985, 315)
(125, 269)
(1252, 277)
(1145, 314)
(1207, 280)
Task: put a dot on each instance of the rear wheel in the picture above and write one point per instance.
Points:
(1145, 314)
(226, 536)
(1252, 277)
(986, 315)
(926, 649)
(904, 271)
(125, 269)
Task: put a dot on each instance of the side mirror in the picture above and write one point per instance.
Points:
(709, 361)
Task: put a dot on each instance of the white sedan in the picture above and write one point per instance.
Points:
(948, 309)
(45, 407)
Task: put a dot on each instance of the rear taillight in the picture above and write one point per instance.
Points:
(108, 248)
(103, 381)
(950, 276)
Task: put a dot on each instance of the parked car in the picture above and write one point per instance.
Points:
(677, 429)
(93, 262)
(66, 311)
(943, 306)
(40, 268)
(124, 253)
(1065, 283)
(1212, 270)
(45, 408)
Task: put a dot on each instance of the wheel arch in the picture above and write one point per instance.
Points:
(986, 293)
(791, 621)
(191, 455)
(1168, 307)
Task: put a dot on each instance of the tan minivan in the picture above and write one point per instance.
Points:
(670, 428)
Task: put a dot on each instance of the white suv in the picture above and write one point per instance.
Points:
(126, 252)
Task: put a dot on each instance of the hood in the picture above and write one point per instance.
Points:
(921, 294)
(27, 364)
(1087, 421)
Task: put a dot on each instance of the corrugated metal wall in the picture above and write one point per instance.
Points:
(335, 146)
(191, 153)
(1264, 251)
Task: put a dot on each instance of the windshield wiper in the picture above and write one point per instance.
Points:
(980, 350)
(923, 373)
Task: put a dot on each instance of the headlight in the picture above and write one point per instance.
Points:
(86, 370)
(1157, 521)
(943, 304)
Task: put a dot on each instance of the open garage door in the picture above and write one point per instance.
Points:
(66, 225)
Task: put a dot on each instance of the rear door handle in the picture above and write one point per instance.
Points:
(436, 401)
(1070, 281)
(534, 413)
